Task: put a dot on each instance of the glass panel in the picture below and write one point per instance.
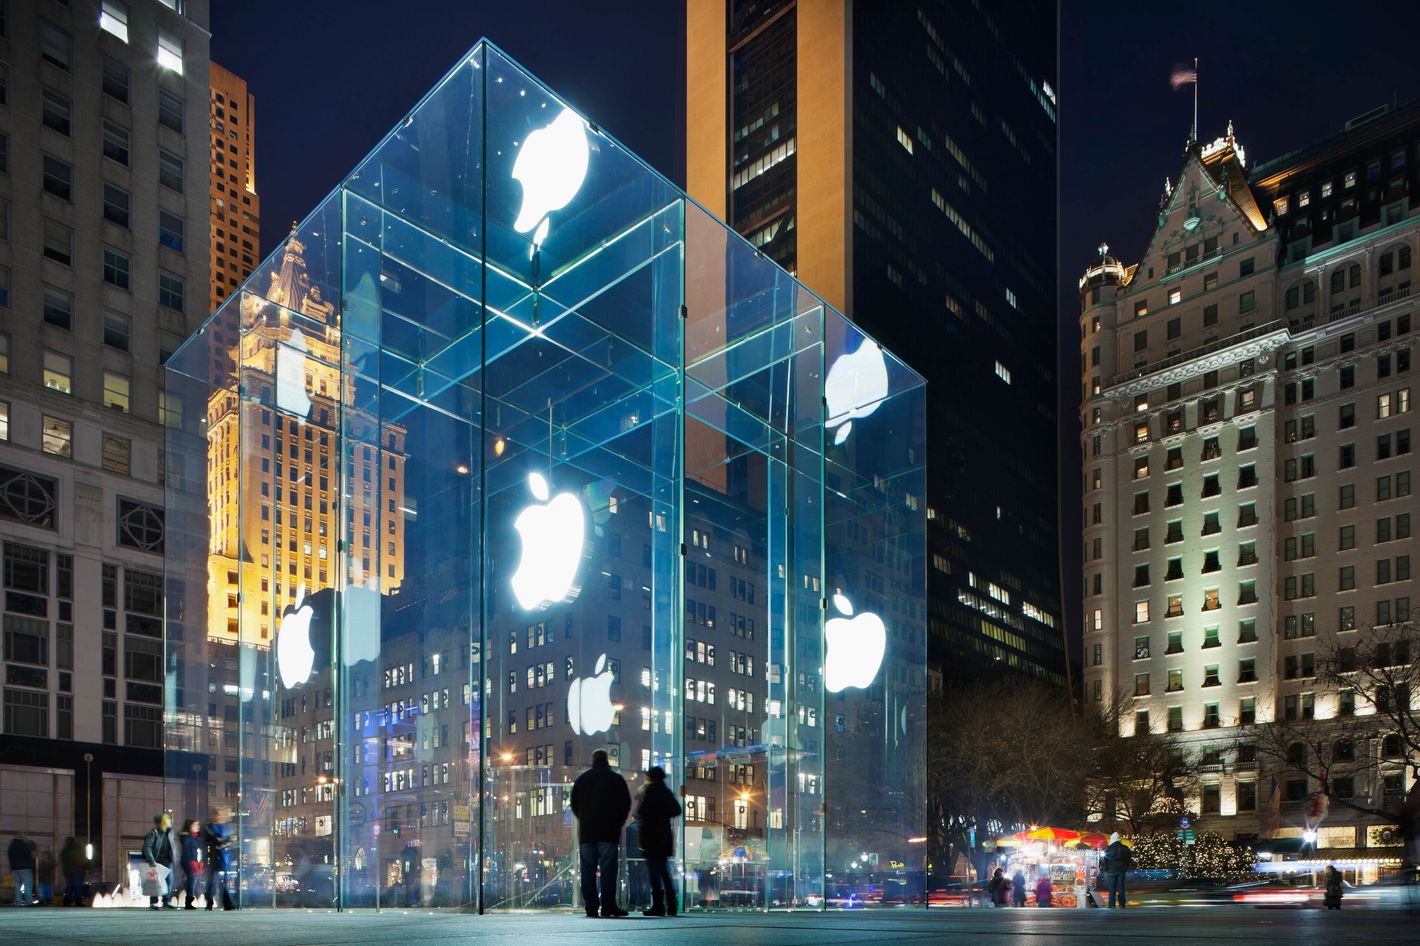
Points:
(481, 473)
(875, 666)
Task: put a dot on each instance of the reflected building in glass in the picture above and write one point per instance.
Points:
(512, 452)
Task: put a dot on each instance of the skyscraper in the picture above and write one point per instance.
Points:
(1245, 407)
(103, 273)
(900, 160)
(236, 209)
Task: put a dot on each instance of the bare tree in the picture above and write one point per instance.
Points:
(1375, 727)
(1001, 756)
(1138, 783)
(1377, 667)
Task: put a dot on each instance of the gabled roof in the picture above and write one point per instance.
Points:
(1221, 163)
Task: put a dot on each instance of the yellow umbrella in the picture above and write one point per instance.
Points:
(1052, 834)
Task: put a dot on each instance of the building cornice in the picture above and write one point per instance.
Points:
(1211, 357)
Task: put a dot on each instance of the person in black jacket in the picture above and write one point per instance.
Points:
(1114, 866)
(74, 862)
(658, 806)
(158, 849)
(601, 801)
(23, 855)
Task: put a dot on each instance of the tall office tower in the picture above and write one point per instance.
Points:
(236, 209)
(103, 272)
(890, 155)
(1247, 465)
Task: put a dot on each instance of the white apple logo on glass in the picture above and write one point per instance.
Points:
(291, 395)
(856, 386)
(853, 647)
(589, 706)
(551, 166)
(552, 547)
(294, 655)
(361, 637)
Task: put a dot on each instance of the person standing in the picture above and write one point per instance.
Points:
(158, 851)
(190, 841)
(601, 803)
(1331, 884)
(411, 865)
(1114, 865)
(217, 838)
(23, 854)
(658, 806)
(74, 863)
(1018, 888)
(1044, 891)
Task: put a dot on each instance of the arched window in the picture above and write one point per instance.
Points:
(1403, 257)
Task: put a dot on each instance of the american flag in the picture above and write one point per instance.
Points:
(1182, 75)
(1273, 819)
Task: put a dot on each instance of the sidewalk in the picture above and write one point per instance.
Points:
(1218, 926)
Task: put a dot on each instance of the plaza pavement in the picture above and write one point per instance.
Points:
(1213, 925)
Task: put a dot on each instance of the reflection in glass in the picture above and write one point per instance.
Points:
(512, 453)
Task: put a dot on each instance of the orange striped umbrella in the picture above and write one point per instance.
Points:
(1052, 834)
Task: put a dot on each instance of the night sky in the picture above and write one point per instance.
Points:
(331, 78)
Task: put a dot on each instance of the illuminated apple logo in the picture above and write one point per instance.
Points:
(857, 384)
(291, 377)
(360, 637)
(294, 655)
(552, 547)
(589, 706)
(551, 166)
(853, 648)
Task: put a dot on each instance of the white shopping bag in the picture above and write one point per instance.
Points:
(155, 881)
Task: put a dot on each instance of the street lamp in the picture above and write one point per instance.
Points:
(89, 807)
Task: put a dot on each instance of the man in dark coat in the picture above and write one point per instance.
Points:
(411, 866)
(74, 862)
(1114, 865)
(658, 806)
(601, 801)
(23, 855)
(158, 849)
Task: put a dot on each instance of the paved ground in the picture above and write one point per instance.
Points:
(1216, 926)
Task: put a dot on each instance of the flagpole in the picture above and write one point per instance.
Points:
(1195, 99)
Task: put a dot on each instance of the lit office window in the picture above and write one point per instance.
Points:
(58, 372)
(116, 391)
(904, 139)
(113, 18)
(170, 51)
(58, 438)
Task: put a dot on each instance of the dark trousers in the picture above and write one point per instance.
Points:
(190, 872)
(598, 857)
(74, 888)
(662, 887)
(1116, 885)
(217, 880)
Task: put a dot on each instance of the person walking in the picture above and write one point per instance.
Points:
(601, 802)
(190, 843)
(1018, 888)
(1331, 884)
(23, 855)
(1044, 891)
(1114, 865)
(217, 839)
(658, 806)
(158, 852)
(1000, 888)
(411, 866)
(74, 863)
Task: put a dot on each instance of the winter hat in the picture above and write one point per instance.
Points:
(1114, 838)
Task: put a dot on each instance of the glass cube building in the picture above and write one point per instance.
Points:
(512, 452)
